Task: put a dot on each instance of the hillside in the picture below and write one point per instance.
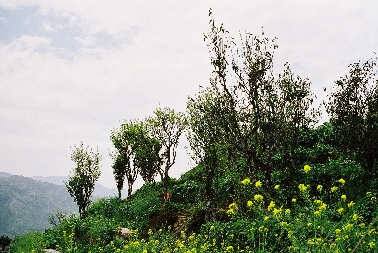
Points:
(27, 204)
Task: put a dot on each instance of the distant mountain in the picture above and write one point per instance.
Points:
(4, 174)
(27, 204)
(100, 191)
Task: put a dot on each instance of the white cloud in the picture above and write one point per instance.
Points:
(47, 26)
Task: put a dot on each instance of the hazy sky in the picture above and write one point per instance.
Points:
(70, 71)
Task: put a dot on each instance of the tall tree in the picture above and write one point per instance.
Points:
(82, 180)
(124, 140)
(166, 126)
(353, 111)
(253, 115)
(147, 157)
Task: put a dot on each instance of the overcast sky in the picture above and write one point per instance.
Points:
(70, 71)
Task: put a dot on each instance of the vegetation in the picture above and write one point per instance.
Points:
(27, 204)
(268, 178)
(81, 183)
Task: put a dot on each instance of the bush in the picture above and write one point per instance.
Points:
(30, 242)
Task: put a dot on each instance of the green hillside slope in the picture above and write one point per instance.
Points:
(27, 204)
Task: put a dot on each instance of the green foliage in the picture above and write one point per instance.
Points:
(124, 140)
(166, 127)
(82, 180)
(4, 242)
(353, 110)
(32, 242)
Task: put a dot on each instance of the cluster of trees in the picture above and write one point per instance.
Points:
(147, 148)
(247, 123)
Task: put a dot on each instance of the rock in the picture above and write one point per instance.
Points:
(51, 251)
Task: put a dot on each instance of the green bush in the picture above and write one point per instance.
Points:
(30, 242)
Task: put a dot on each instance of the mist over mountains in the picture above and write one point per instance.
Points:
(27, 203)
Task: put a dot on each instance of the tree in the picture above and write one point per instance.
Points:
(353, 111)
(124, 140)
(247, 114)
(82, 180)
(147, 158)
(166, 127)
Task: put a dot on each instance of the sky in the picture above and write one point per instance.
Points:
(71, 71)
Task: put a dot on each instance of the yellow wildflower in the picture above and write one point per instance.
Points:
(343, 197)
(323, 206)
(277, 211)
(258, 184)
(246, 181)
(307, 168)
(287, 211)
(258, 197)
(277, 186)
(350, 204)
(294, 200)
(229, 248)
(266, 218)
(271, 205)
(372, 245)
(319, 188)
(230, 211)
(340, 210)
(249, 203)
(333, 189)
(233, 206)
(302, 187)
(317, 213)
(342, 181)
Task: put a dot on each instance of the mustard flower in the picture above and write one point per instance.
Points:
(266, 218)
(355, 216)
(306, 168)
(277, 186)
(317, 213)
(230, 212)
(302, 187)
(333, 189)
(337, 231)
(340, 210)
(277, 212)
(372, 245)
(229, 248)
(342, 181)
(318, 201)
(249, 203)
(309, 224)
(343, 197)
(323, 207)
(284, 224)
(258, 184)
(233, 206)
(246, 181)
(351, 204)
(271, 205)
(287, 211)
(258, 197)
(319, 188)
(294, 200)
